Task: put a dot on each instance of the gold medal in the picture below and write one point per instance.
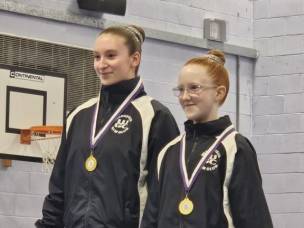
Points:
(185, 207)
(91, 163)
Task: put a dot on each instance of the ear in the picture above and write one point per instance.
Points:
(220, 93)
(135, 59)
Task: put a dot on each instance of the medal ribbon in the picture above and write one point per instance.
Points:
(95, 139)
(188, 183)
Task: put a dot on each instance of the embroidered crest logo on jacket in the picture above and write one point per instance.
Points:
(122, 124)
(212, 162)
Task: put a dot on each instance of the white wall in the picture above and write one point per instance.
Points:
(186, 16)
(278, 109)
(177, 16)
(24, 186)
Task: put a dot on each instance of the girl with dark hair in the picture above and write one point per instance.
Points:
(108, 152)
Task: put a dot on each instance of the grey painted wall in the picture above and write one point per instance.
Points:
(177, 16)
(24, 186)
(278, 119)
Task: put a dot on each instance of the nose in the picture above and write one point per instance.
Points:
(101, 63)
(184, 95)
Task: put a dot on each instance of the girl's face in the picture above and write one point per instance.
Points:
(198, 95)
(112, 61)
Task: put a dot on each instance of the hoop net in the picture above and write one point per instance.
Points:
(48, 139)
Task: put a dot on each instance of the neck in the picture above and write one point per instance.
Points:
(132, 74)
(213, 115)
(205, 120)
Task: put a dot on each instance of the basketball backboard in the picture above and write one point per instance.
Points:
(28, 98)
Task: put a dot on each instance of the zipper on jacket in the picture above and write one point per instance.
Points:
(181, 219)
(194, 146)
(181, 222)
(89, 202)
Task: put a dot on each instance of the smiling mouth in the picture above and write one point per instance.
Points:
(188, 105)
(105, 74)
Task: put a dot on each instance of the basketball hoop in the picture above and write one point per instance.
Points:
(48, 138)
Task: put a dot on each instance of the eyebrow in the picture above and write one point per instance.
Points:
(191, 83)
(110, 50)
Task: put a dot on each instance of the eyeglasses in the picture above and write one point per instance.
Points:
(192, 89)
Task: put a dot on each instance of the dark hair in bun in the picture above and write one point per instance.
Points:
(134, 36)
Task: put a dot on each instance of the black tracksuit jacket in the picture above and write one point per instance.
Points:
(114, 195)
(227, 193)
